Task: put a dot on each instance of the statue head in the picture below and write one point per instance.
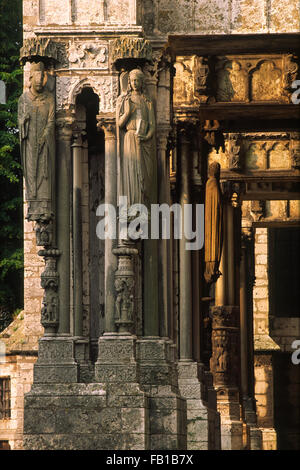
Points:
(37, 77)
(136, 79)
(214, 170)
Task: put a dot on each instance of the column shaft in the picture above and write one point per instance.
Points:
(63, 221)
(110, 263)
(185, 261)
(77, 236)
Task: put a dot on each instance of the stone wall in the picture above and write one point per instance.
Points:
(160, 17)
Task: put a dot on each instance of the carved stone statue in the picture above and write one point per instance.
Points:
(36, 115)
(136, 121)
(213, 224)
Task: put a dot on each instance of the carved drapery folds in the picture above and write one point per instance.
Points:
(136, 127)
(213, 224)
(225, 349)
(36, 116)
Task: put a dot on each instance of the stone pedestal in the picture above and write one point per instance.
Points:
(56, 363)
(158, 377)
(203, 421)
(127, 404)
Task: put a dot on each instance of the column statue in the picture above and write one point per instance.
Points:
(36, 116)
(136, 121)
(213, 224)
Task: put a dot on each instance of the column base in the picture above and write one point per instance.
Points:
(55, 362)
(231, 424)
(117, 368)
(203, 422)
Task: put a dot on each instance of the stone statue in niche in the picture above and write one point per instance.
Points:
(136, 123)
(36, 116)
(213, 224)
(267, 83)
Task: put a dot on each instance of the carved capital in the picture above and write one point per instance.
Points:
(162, 137)
(108, 125)
(43, 49)
(65, 122)
(125, 48)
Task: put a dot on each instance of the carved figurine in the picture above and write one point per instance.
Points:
(135, 115)
(213, 224)
(36, 115)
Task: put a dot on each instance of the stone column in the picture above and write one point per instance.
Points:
(255, 437)
(225, 360)
(108, 125)
(185, 260)
(77, 232)
(64, 127)
(163, 244)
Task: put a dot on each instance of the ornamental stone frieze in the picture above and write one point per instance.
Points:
(88, 55)
(255, 78)
(234, 79)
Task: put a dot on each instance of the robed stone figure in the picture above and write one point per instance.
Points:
(213, 224)
(136, 123)
(36, 116)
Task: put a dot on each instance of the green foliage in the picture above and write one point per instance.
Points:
(11, 210)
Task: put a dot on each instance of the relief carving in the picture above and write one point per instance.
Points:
(202, 88)
(131, 48)
(183, 87)
(234, 152)
(225, 354)
(88, 55)
(232, 82)
(266, 83)
(41, 48)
